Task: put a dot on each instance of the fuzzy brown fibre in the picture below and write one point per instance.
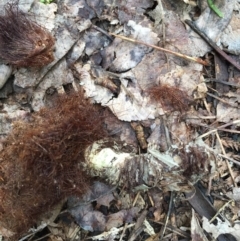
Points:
(170, 97)
(24, 43)
(40, 160)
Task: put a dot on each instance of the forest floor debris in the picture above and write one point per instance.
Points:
(168, 167)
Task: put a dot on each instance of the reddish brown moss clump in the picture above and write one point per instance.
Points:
(40, 159)
(23, 42)
(170, 97)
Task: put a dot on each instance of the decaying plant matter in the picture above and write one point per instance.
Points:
(23, 42)
(194, 160)
(40, 160)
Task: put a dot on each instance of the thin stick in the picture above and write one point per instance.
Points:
(212, 44)
(102, 31)
(229, 124)
(230, 159)
(162, 232)
(123, 232)
(161, 12)
(206, 105)
(220, 128)
(221, 100)
(208, 117)
(174, 229)
(223, 82)
(135, 199)
(221, 209)
(195, 59)
(224, 153)
(207, 133)
(228, 130)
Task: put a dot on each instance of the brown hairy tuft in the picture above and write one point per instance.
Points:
(40, 159)
(170, 97)
(23, 42)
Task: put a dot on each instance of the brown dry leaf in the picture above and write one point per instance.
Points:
(100, 192)
(121, 56)
(180, 132)
(132, 10)
(121, 217)
(227, 113)
(92, 221)
(157, 197)
(130, 107)
(158, 136)
(85, 215)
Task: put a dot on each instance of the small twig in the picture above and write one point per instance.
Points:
(207, 133)
(221, 128)
(123, 232)
(220, 197)
(230, 159)
(135, 199)
(175, 230)
(209, 87)
(228, 165)
(209, 117)
(174, 223)
(161, 12)
(209, 184)
(219, 119)
(229, 124)
(166, 130)
(212, 44)
(223, 82)
(106, 233)
(74, 233)
(228, 130)
(124, 88)
(219, 211)
(150, 199)
(206, 105)
(139, 226)
(43, 237)
(195, 59)
(223, 101)
(102, 31)
(162, 232)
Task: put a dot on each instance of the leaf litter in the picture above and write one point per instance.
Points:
(172, 129)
